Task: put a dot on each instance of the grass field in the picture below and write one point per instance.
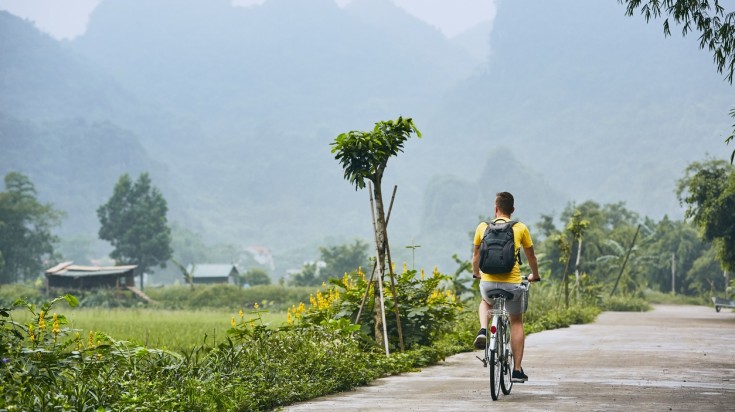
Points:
(177, 330)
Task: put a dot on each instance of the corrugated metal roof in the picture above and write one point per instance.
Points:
(211, 270)
(69, 269)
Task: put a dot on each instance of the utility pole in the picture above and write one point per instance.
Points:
(727, 284)
(413, 247)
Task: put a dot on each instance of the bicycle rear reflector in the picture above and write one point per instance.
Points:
(493, 329)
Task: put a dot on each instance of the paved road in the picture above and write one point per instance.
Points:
(674, 358)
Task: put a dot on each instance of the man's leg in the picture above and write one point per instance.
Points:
(482, 313)
(481, 338)
(517, 340)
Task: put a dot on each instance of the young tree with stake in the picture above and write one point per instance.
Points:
(364, 156)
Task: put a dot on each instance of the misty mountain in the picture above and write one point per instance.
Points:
(73, 164)
(602, 104)
(453, 205)
(232, 110)
(43, 79)
(299, 64)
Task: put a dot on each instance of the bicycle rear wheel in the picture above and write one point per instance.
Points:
(496, 366)
(506, 377)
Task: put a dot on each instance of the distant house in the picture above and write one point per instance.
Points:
(67, 275)
(209, 273)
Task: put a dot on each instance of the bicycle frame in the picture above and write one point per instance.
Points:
(497, 314)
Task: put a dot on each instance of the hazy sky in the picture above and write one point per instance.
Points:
(66, 19)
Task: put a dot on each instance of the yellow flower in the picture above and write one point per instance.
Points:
(256, 306)
(422, 274)
(42, 320)
(242, 315)
(405, 268)
(289, 319)
(393, 267)
(31, 333)
(78, 338)
(55, 328)
(233, 323)
(90, 341)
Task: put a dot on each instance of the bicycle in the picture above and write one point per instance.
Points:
(498, 351)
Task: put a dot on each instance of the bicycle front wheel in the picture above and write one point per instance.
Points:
(496, 366)
(506, 377)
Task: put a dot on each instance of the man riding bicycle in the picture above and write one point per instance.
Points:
(510, 281)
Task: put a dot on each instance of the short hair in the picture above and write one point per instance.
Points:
(505, 203)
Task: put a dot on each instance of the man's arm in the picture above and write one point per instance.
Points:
(533, 263)
(476, 262)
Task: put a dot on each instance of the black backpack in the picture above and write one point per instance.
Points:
(497, 249)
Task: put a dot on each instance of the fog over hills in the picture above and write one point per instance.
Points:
(232, 110)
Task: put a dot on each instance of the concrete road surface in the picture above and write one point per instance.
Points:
(674, 358)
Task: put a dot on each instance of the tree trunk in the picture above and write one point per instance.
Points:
(380, 237)
(576, 265)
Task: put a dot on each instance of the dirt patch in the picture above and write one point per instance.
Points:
(674, 358)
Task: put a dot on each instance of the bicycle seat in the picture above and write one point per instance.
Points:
(497, 293)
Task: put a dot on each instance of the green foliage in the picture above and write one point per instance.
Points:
(708, 190)
(256, 368)
(364, 155)
(626, 304)
(655, 297)
(607, 238)
(343, 259)
(26, 241)
(255, 277)
(307, 277)
(546, 308)
(426, 306)
(134, 221)
(337, 260)
(274, 297)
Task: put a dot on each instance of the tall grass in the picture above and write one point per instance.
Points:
(176, 330)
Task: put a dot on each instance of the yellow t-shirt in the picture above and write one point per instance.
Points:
(521, 237)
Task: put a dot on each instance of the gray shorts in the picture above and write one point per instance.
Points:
(515, 306)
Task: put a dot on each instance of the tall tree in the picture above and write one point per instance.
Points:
(134, 221)
(364, 156)
(708, 190)
(26, 241)
(343, 259)
(716, 29)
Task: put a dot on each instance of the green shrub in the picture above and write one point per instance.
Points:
(656, 297)
(9, 293)
(626, 304)
(426, 306)
(274, 297)
(257, 368)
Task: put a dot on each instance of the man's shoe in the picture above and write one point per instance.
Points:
(519, 376)
(481, 339)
